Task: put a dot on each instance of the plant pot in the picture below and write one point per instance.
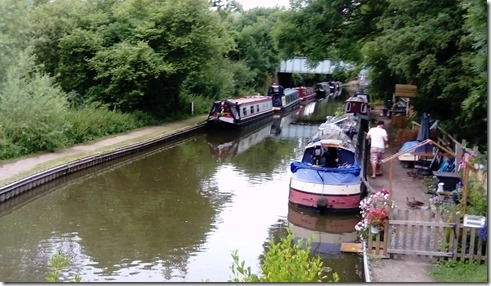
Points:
(374, 229)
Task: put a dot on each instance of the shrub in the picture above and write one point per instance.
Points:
(96, 121)
(32, 111)
(284, 261)
(57, 264)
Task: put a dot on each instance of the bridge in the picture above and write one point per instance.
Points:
(299, 65)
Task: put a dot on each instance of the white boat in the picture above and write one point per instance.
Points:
(237, 113)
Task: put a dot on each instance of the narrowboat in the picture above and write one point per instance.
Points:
(358, 105)
(283, 99)
(323, 90)
(306, 94)
(238, 113)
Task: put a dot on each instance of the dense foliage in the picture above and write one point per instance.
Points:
(440, 46)
(154, 59)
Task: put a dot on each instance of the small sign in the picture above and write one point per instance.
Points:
(474, 221)
(405, 90)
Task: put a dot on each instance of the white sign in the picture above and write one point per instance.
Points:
(474, 221)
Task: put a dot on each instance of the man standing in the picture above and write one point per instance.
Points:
(378, 138)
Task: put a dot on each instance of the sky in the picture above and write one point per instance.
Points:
(249, 4)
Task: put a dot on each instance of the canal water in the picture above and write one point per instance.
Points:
(173, 214)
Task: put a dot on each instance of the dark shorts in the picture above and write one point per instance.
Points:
(376, 155)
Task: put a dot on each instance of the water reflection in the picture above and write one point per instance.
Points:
(306, 109)
(327, 234)
(229, 143)
(174, 214)
(132, 219)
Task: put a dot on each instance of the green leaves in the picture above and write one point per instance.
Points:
(284, 261)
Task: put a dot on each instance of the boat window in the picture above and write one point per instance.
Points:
(345, 157)
(244, 111)
(257, 107)
(363, 108)
(347, 107)
(252, 109)
(331, 157)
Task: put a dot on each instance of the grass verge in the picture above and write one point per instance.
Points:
(462, 271)
(98, 147)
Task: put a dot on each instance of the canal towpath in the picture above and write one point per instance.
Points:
(406, 268)
(16, 169)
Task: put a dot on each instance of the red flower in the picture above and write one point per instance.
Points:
(377, 217)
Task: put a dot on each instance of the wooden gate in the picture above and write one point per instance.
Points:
(427, 233)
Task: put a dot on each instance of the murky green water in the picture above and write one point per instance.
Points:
(171, 215)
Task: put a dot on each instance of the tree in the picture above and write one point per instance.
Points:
(131, 54)
(255, 47)
(16, 32)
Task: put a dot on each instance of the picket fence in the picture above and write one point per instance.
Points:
(438, 236)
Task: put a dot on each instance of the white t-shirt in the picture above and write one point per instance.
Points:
(377, 135)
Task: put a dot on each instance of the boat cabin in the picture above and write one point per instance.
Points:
(356, 104)
(330, 156)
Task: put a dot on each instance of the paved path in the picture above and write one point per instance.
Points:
(395, 178)
(12, 170)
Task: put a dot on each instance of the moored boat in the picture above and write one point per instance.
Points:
(323, 90)
(306, 94)
(237, 113)
(329, 173)
(283, 99)
(358, 105)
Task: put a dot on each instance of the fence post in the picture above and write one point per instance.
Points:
(456, 234)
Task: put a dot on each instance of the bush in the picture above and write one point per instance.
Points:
(57, 264)
(285, 261)
(32, 111)
(96, 121)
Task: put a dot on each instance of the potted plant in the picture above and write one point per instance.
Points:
(376, 219)
(375, 212)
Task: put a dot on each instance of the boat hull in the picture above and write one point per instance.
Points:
(239, 124)
(325, 201)
(240, 112)
(287, 108)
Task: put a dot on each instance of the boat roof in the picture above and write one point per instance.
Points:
(249, 99)
(330, 134)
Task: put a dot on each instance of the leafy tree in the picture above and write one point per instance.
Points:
(16, 32)
(255, 47)
(471, 118)
(131, 54)
(32, 109)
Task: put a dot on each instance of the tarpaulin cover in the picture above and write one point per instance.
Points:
(322, 175)
(408, 144)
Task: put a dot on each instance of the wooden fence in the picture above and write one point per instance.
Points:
(427, 233)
